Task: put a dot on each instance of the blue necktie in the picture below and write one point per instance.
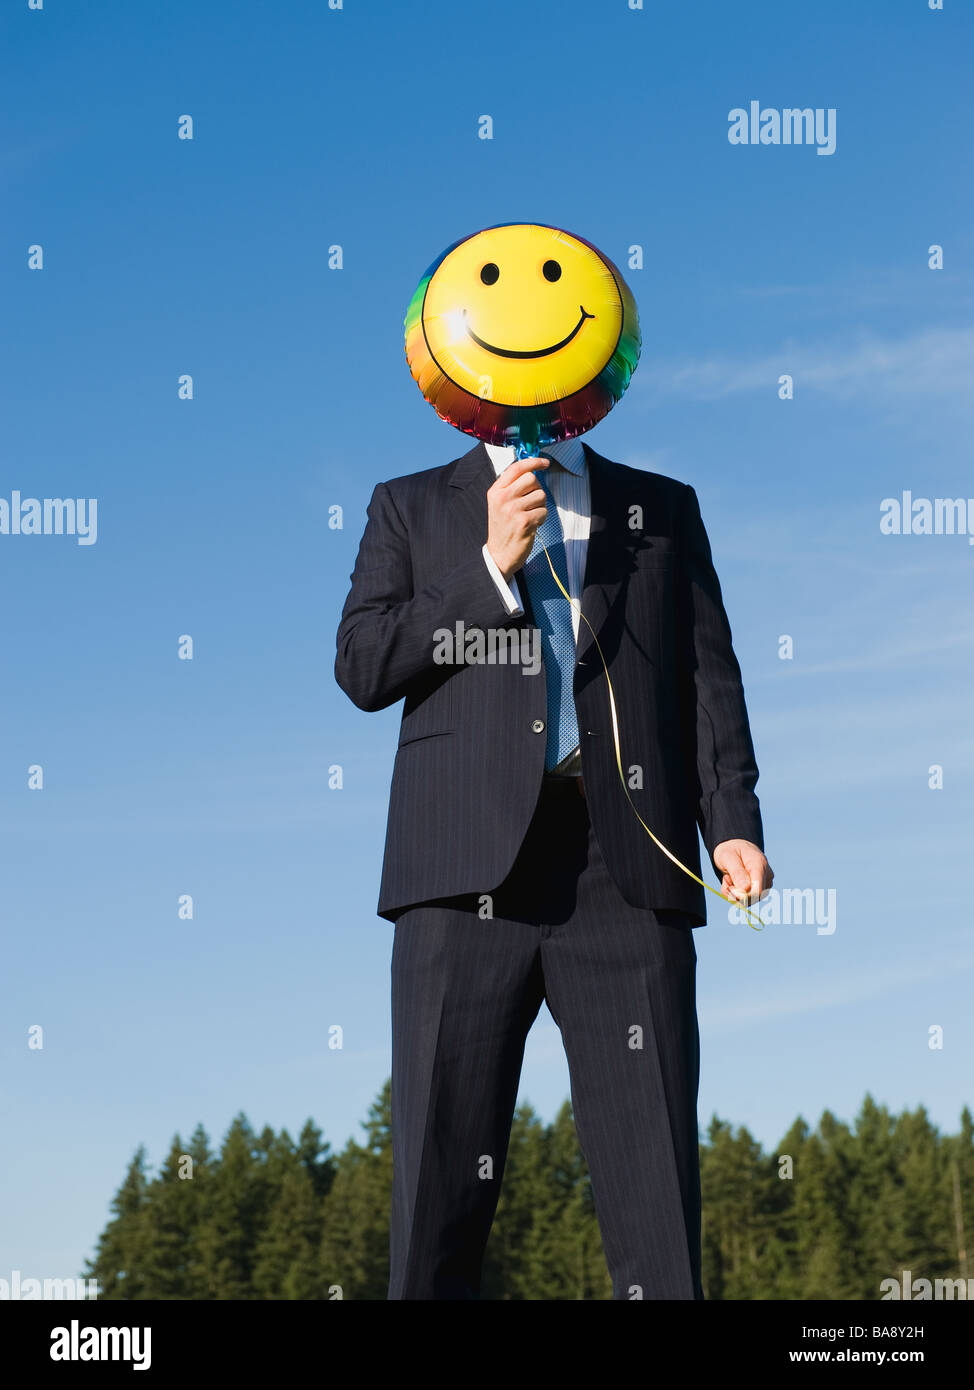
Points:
(553, 616)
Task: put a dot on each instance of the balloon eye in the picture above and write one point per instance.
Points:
(490, 273)
(551, 270)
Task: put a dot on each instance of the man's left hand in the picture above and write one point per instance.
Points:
(747, 874)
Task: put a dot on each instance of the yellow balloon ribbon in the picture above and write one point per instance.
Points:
(751, 919)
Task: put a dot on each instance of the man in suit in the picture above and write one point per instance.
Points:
(515, 869)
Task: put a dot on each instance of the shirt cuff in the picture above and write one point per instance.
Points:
(503, 588)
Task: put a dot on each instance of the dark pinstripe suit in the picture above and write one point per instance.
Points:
(586, 911)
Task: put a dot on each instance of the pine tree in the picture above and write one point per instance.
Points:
(735, 1185)
(824, 1223)
(354, 1251)
(871, 1245)
(924, 1225)
(286, 1263)
(118, 1265)
(545, 1242)
(961, 1154)
(506, 1272)
(780, 1276)
(959, 1162)
(173, 1212)
(574, 1243)
(271, 1218)
(231, 1217)
(315, 1155)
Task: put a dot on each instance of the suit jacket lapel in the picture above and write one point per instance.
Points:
(599, 586)
(471, 477)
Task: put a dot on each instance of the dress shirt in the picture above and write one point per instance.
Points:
(567, 479)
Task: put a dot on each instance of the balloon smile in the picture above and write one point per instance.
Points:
(535, 352)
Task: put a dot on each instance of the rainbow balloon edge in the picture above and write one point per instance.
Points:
(531, 426)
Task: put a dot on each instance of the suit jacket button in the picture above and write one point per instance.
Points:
(538, 726)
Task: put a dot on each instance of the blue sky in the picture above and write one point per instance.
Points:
(210, 777)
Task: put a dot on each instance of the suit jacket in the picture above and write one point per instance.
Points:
(470, 757)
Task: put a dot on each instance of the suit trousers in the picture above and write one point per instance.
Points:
(468, 977)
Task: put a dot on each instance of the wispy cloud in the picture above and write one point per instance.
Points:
(878, 287)
(932, 362)
(840, 989)
(901, 652)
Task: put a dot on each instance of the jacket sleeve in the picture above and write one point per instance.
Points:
(386, 633)
(726, 771)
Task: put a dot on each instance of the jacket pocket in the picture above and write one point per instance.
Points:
(417, 738)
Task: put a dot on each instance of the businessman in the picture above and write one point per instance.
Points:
(515, 869)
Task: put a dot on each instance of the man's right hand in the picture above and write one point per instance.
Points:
(516, 507)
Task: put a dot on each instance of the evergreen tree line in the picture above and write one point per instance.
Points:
(831, 1214)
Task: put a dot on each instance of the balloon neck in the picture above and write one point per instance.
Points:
(523, 450)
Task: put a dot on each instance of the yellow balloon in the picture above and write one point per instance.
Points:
(531, 308)
(522, 334)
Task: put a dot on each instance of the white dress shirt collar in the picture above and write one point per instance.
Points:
(568, 452)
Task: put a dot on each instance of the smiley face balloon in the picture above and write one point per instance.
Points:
(522, 334)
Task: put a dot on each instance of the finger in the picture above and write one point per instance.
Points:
(532, 516)
(731, 893)
(532, 499)
(757, 883)
(736, 870)
(741, 891)
(759, 889)
(761, 875)
(516, 470)
(527, 482)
